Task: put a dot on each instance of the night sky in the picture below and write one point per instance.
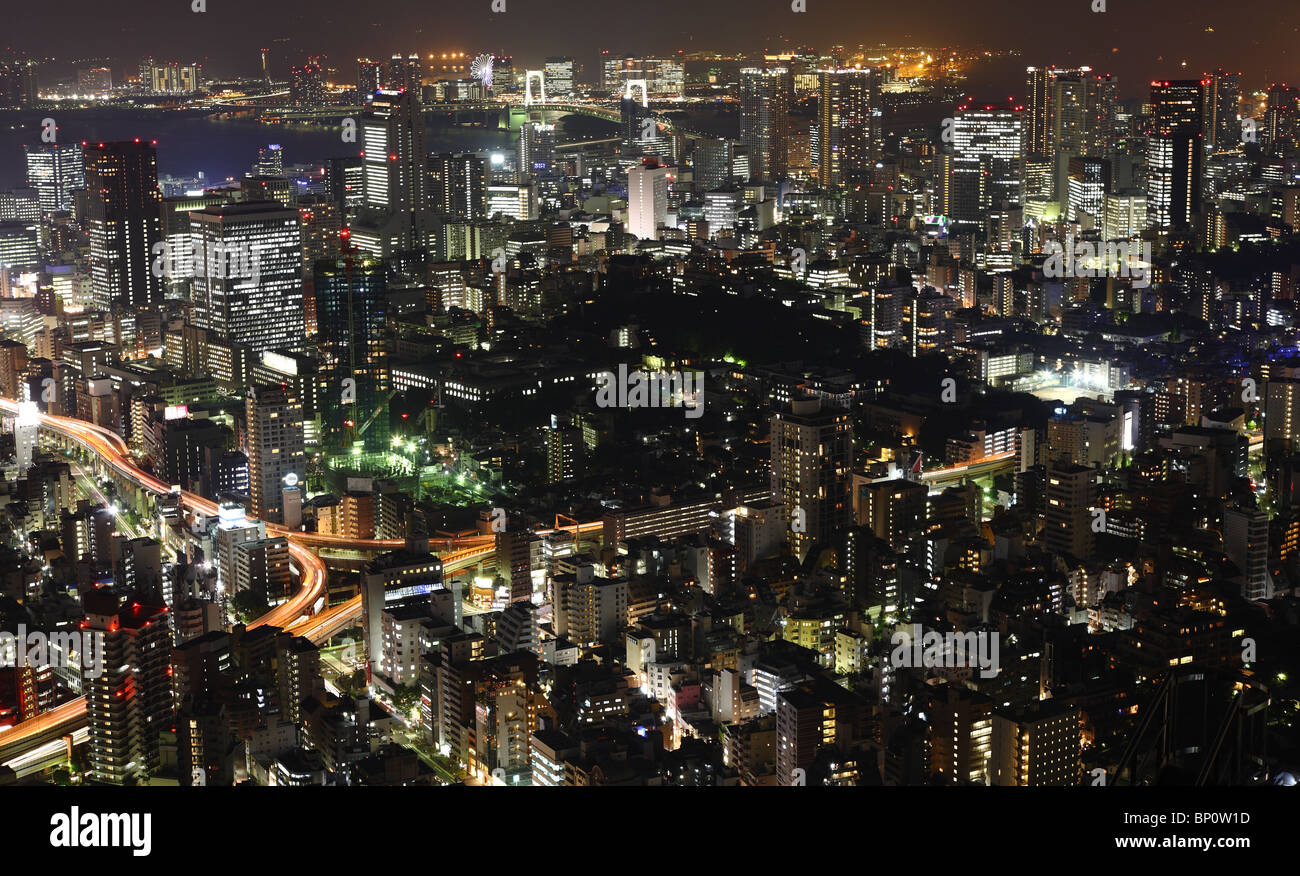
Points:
(1136, 39)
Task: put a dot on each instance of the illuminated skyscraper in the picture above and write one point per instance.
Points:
(559, 77)
(370, 78)
(276, 458)
(124, 213)
(55, 171)
(811, 462)
(351, 311)
(129, 698)
(647, 199)
(248, 274)
(1222, 119)
(393, 216)
(1038, 91)
(987, 161)
(405, 74)
(458, 184)
(1174, 153)
(536, 150)
(307, 84)
(849, 132)
(764, 120)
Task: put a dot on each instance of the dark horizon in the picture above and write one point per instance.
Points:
(1121, 40)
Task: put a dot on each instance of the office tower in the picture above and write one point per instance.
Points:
(274, 444)
(458, 185)
(344, 183)
(1174, 152)
(1222, 121)
(55, 171)
(351, 311)
(392, 135)
(811, 460)
(307, 84)
(370, 78)
(128, 701)
(1125, 214)
(559, 77)
(248, 274)
(1245, 541)
(987, 164)
(1036, 746)
(1081, 112)
(716, 164)
(270, 160)
(123, 208)
(647, 199)
(515, 201)
(1071, 494)
(1281, 112)
(1089, 180)
(764, 120)
(392, 218)
(20, 245)
(849, 131)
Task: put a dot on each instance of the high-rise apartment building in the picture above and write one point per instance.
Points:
(128, 701)
(811, 461)
(764, 119)
(850, 126)
(276, 457)
(1071, 494)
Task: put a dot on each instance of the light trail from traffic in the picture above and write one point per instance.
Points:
(297, 614)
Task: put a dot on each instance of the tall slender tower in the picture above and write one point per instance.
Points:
(811, 462)
(128, 691)
(764, 120)
(848, 109)
(1175, 152)
(276, 457)
(124, 209)
(351, 311)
